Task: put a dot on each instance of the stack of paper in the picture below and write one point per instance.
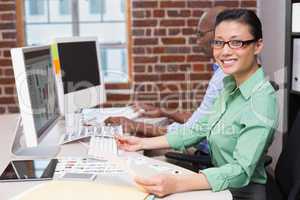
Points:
(77, 190)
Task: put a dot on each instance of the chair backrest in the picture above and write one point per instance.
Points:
(287, 171)
(274, 85)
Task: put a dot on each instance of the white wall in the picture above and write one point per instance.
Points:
(272, 14)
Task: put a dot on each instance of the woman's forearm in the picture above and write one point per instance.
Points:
(149, 130)
(192, 182)
(159, 142)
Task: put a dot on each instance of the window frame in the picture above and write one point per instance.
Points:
(20, 28)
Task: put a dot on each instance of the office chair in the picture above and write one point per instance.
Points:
(286, 183)
(201, 159)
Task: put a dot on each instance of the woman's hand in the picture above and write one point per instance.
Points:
(128, 125)
(160, 185)
(129, 143)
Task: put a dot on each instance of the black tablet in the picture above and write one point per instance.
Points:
(29, 170)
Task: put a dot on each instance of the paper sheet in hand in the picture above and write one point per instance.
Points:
(77, 190)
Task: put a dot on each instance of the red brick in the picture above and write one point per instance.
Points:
(160, 32)
(146, 77)
(158, 50)
(178, 67)
(171, 96)
(4, 26)
(169, 59)
(118, 97)
(197, 13)
(172, 22)
(149, 68)
(146, 96)
(185, 67)
(7, 16)
(13, 109)
(148, 32)
(8, 72)
(144, 4)
(6, 54)
(179, 13)
(195, 58)
(9, 35)
(141, 13)
(7, 100)
(159, 68)
(197, 49)
(2, 110)
(200, 76)
(248, 3)
(5, 62)
(7, 44)
(177, 49)
(144, 23)
(138, 50)
(138, 32)
(172, 77)
(7, 81)
(199, 4)
(9, 90)
(173, 105)
(158, 13)
(7, 7)
(189, 105)
(172, 4)
(145, 41)
(193, 22)
(198, 67)
(169, 87)
(145, 59)
(173, 40)
(139, 87)
(188, 31)
(193, 40)
(174, 31)
(227, 3)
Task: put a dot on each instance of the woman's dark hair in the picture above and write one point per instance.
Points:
(245, 16)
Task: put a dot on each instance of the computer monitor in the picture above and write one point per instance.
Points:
(81, 73)
(36, 90)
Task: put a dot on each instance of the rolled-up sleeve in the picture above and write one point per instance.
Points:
(254, 140)
(185, 137)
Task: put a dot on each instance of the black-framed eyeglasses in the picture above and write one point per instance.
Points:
(200, 33)
(233, 44)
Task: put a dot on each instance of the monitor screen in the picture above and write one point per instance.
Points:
(42, 89)
(79, 65)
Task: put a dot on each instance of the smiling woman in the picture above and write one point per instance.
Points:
(240, 126)
(236, 44)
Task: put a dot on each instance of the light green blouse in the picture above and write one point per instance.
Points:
(239, 131)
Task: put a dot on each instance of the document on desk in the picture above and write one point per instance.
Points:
(78, 190)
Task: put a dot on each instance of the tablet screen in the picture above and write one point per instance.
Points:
(22, 170)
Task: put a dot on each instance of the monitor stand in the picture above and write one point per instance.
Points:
(19, 148)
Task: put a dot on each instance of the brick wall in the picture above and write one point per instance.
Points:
(168, 68)
(7, 41)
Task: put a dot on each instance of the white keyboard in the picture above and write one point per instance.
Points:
(102, 146)
(104, 143)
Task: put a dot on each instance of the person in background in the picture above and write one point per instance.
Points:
(182, 119)
(240, 127)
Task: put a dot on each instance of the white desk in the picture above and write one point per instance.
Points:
(8, 190)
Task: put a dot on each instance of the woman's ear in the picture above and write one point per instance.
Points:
(258, 46)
